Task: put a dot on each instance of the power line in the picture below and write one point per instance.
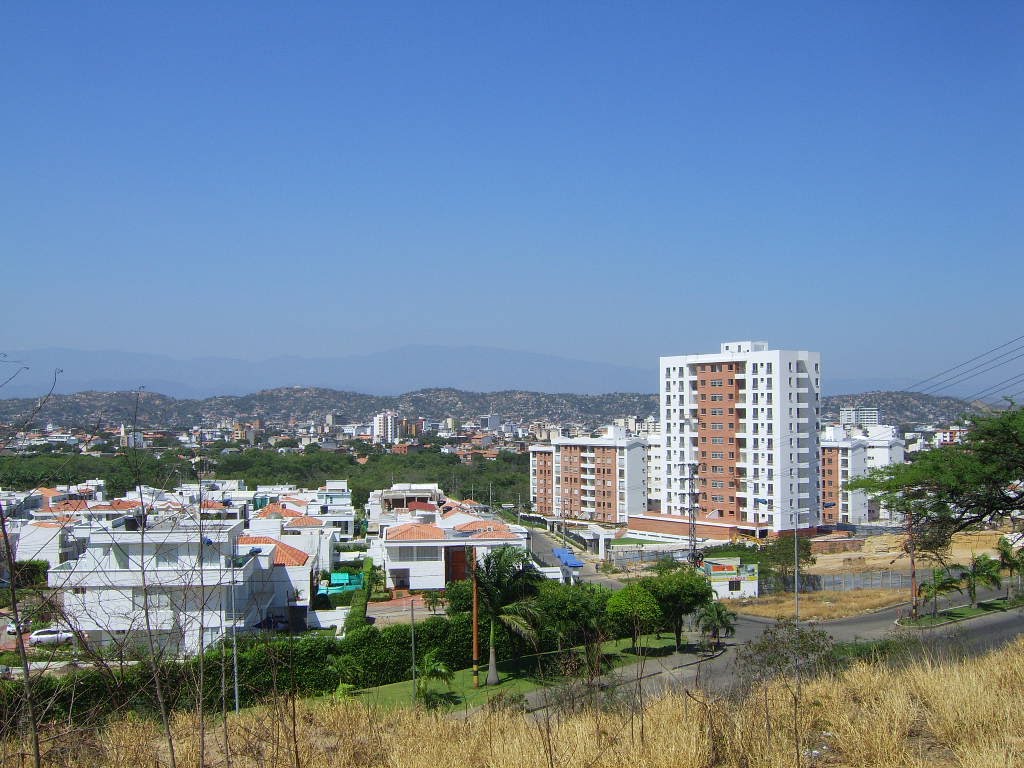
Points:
(967, 362)
(996, 388)
(967, 376)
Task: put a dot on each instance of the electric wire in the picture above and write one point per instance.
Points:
(965, 363)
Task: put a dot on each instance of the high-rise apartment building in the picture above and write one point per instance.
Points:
(602, 479)
(740, 431)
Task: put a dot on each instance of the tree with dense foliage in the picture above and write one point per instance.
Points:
(777, 557)
(633, 611)
(679, 592)
(941, 583)
(507, 583)
(716, 620)
(981, 571)
(957, 487)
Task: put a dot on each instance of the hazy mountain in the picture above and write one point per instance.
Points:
(389, 372)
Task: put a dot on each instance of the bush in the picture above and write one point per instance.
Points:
(30, 573)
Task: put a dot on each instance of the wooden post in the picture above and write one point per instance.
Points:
(476, 626)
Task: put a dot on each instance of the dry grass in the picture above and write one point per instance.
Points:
(930, 714)
(821, 606)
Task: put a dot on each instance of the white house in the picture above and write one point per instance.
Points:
(426, 550)
(195, 580)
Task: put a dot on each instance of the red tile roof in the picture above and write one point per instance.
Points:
(305, 521)
(414, 532)
(212, 504)
(284, 554)
(276, 509)
(498, 534)
(70, 505)
(421, 506)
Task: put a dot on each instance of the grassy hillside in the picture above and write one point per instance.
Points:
(927, 714)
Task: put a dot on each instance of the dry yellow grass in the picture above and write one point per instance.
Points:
(930, 714)
(821, 606)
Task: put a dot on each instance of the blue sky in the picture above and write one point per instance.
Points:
(605, 181)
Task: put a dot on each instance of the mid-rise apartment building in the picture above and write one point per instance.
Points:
(385, 427)
(846, 454)
(740, 431)
(602, 479)
(842, 459)
(866, 417)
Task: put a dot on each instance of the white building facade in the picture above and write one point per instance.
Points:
(740, 430)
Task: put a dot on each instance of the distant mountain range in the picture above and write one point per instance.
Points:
(390, 372)
(285, 405)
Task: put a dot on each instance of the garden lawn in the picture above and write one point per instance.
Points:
(516, 678)
(961, 612)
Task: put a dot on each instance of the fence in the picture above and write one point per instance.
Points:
(844, 582)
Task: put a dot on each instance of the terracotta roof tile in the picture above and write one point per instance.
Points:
(276, 509)
(421, 506)
(506, 534)
(414, 532)
(481, 525)
(284, 554)
(305, 521)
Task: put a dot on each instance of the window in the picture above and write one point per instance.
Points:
(734, 585)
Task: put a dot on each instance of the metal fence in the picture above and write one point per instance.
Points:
(844, 582)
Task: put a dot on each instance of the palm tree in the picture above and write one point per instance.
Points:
(428, 669)
(348, 670)
(506, 582)
(941, 583)
(1011, 561)
(982, 570)
(716, 620)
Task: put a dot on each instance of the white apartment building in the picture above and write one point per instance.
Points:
(196, 582)
(858, 415)
(602, 479)
(842, 459)
(655, 470)
(385, 427)
(740, 430)
(848, 453)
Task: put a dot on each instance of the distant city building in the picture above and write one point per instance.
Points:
(603, 479)
(858, 415)
(740, 430)
(385, 427)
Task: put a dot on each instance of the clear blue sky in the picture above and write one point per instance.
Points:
(606, 181)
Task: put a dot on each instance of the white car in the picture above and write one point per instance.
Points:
(50, 637)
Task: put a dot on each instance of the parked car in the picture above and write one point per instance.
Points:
(12, 628)
(50, 637)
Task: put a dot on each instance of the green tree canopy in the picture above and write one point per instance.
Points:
(633, 611)
(956, 487)
(679, 593)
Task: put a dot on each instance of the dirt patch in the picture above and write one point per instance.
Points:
(886, 552)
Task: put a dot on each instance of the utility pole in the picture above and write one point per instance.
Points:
(476, 625)
(913, 567)
(412, 625)
(796, 565)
